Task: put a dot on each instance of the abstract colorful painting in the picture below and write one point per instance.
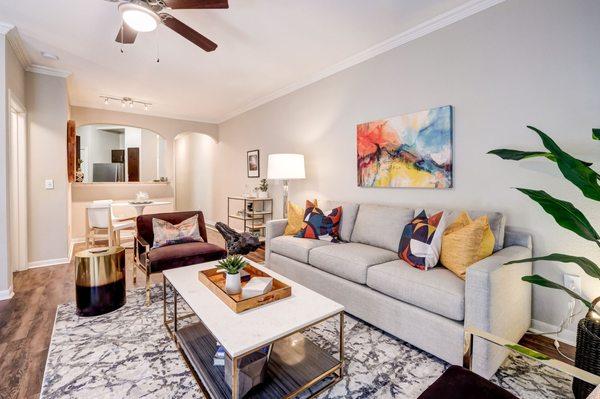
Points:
(413, 150)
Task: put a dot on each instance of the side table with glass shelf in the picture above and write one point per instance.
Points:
(253, 215)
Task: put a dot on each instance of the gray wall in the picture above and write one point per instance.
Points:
(520, 62)
(47, 113)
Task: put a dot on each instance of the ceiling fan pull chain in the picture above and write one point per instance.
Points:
(157, 47)
(122, 34)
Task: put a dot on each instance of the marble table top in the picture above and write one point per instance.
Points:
(240, 333)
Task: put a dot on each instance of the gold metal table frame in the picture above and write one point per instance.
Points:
(336, 371)
(471, 333)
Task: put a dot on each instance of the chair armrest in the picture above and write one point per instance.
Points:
(499, 302)
(141, 245)
(275, 228)
(530, 353)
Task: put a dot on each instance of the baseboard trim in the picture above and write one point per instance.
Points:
(565, 336)
(48, 262)
(6, 294)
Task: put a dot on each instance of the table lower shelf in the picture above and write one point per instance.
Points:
(295, 363)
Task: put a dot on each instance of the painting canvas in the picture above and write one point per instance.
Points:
(413, 150)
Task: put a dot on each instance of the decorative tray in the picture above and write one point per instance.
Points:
(215, 281)
(144, 202)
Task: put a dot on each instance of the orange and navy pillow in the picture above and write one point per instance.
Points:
(319, 226)
(421, 240)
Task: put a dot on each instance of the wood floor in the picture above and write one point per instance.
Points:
(26, 323)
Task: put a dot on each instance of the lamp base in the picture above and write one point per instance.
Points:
(285, 198)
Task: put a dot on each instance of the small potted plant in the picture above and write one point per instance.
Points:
(263, 188)
(232, 266)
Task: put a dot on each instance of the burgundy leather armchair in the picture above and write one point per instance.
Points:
(154, 260)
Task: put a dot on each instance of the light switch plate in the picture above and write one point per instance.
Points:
(49, 184)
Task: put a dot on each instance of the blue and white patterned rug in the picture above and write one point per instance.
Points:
(127, 353)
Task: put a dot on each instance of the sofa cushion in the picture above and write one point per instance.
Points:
(189, 253)
(437, 290)
(496, 220)
(296, 248)
(381, 225)
(349, 260)
(349, 212)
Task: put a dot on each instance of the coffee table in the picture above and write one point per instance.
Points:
(295, 363)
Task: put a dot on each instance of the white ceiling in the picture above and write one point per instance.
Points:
(264, 46)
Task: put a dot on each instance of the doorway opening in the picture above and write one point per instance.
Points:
(17, 185)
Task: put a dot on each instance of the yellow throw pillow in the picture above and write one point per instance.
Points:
(465, 242)
(295, 218)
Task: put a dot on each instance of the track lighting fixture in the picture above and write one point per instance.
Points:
(126, 101)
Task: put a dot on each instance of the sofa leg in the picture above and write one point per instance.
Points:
(147, 289)
(134, 274)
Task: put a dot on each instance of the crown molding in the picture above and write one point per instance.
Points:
(436, 23)
(61, 73)
(14, 39)
(5, 28)
(16, 43)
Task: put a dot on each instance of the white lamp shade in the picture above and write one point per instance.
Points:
(285, 167)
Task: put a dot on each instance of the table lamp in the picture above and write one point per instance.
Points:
(285, 167)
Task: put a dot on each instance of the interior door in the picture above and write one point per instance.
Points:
(133, 164)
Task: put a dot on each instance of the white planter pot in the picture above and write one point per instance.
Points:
(233, 283)
(263, 194)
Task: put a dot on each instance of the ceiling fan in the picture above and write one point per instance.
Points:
(145, 15)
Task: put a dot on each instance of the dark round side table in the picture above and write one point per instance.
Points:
(99, 280)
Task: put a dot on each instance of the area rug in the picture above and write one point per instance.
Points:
(128, 354)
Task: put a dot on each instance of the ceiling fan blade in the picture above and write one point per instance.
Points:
(187, 32)
(198, 4)
(126, 35)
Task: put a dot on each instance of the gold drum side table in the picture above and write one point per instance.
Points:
(99, 280)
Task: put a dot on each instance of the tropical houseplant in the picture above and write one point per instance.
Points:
(232, 265)
(586, 179)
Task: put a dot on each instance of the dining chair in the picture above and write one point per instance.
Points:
(101, 222)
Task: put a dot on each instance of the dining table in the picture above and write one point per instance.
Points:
(139, 206)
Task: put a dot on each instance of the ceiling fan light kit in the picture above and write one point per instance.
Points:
(139, 18)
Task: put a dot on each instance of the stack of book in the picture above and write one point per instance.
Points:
(219, 358)
(257, 286)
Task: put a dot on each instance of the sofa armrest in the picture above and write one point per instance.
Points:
(275, 228)
(499, 302)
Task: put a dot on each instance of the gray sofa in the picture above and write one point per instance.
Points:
(428, 309)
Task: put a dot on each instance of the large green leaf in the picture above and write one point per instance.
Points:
(527, 352)
(564, 213)
(587, 265)
(596, 134)
(572, 168)
(541, 281)
(517, 155)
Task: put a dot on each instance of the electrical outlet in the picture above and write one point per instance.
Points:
(49, 184)
(572, 282)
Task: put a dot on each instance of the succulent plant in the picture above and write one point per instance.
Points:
(232, 264)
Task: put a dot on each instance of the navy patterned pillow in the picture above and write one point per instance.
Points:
(421, 240)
